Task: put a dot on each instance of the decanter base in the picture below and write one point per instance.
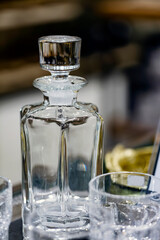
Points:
(72, 230)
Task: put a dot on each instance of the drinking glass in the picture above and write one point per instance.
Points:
(124, 206)
(5, 207)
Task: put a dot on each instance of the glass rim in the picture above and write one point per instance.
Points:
(6, 179)
(92, 188)
(59, 39)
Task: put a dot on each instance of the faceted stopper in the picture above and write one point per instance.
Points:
(59, 53)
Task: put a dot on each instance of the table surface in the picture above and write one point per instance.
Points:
(15, 230)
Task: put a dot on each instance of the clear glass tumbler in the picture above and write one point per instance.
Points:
(125, 205)
(5, 207)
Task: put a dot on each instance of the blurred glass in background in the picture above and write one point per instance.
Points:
(120, 58)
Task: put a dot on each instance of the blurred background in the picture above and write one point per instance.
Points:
(120, 57)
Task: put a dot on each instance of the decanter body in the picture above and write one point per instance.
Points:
(61, 147)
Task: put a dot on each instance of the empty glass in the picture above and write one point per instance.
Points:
(5, 207)
(125, 205)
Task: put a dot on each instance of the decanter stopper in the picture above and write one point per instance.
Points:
(59, 53)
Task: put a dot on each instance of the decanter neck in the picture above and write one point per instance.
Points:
(59, 75)
(60, 97)
(60, 91)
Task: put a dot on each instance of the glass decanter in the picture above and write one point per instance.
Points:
(61, 142)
